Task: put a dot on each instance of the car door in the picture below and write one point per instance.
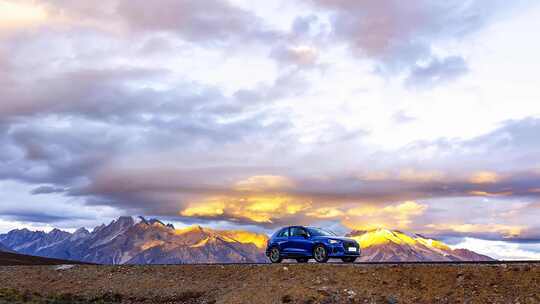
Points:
(282, 240)
(299, 242)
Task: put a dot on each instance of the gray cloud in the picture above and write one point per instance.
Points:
(204, 21)
(399, 35)
(213, 20)
(437, 72)
(99, 93)
(110, 94)
(38, 217)
(510, 147)
(47, 190)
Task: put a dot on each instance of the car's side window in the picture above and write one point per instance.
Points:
(297, 231)
(284, 233)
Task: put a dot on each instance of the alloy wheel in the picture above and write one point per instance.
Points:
(320, 254)
(274, 255)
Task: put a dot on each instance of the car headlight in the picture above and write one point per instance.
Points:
(334, 242)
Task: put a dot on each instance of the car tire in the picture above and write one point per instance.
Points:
(302, 260)
(348, 259)
(320, 254)
(275, 255)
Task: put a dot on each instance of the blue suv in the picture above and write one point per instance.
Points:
(304, 243)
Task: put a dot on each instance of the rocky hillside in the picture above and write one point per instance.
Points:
(130, 240)
(383, 245)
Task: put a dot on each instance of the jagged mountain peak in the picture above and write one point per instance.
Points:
(152, 222)
(81, 230)
(25, 231)
(121, 223)
(98, 228)
(124, 220)
(79, 234)
(156, 222)
(58, 232)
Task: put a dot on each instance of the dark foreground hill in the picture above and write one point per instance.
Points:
(10, 259)
(284, 283)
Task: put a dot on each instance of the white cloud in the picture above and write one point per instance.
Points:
(500, 250)
(6, 226)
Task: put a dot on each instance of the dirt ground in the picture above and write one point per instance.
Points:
(284, 283)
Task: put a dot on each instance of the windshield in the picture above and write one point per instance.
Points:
(320, 232)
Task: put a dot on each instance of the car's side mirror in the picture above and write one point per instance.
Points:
(305, 235)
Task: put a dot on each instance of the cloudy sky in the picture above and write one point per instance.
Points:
(422, 116)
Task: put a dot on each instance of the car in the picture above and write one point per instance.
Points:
(304, 243)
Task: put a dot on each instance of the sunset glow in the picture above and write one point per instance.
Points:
(13, 14)
(260, 209)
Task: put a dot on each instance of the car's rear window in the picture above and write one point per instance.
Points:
(284, 233)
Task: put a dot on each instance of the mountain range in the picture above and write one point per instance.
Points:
(129, 240)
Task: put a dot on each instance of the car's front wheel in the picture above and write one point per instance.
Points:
(275, 256)
(302, 260)
(348, 259)
(320, 254)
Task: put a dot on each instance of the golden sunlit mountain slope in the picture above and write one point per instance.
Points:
(388, 245)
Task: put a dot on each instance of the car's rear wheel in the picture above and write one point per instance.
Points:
(348, 259)
(275, 256)
(320, 254)
(302, 260)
